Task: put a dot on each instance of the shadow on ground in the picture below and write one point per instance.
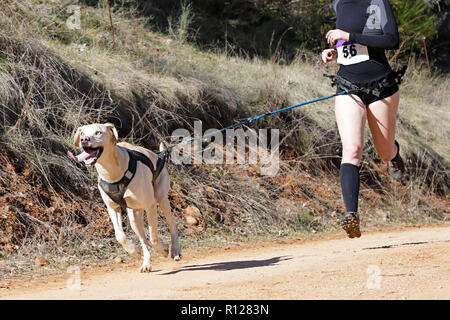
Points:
(232, 265)
(404, 244)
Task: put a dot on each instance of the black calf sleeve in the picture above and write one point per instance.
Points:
(349, 176)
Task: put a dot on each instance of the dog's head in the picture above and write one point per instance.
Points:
(94, 139)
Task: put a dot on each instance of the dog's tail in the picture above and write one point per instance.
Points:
(163, 157)
(162, 146)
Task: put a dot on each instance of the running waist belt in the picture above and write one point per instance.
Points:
(394, 78)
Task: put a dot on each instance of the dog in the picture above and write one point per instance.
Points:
(143, 190)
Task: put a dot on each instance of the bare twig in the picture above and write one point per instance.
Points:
(426, 54)
(111, 23)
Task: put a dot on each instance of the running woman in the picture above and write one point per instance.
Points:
(364, 30)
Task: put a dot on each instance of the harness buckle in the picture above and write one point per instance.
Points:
(375, 92)
(129, 174)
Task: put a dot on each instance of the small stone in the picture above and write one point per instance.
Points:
(192, 215)
(190, 220)
(192, 211)
(118, 260)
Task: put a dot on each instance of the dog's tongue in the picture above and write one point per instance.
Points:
(81, 157)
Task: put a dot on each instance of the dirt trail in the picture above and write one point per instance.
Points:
(406, 264)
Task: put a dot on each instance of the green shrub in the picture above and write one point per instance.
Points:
(415, 20)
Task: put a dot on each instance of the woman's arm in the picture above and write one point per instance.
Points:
(381, 17)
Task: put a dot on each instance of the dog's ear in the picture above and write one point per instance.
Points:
(76, 138)
(115, 135)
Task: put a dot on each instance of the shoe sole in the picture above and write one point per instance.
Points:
(396, 174)
(351, 225)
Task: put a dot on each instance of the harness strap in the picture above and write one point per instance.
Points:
(337, 81)
(394, 78)
(116, 190)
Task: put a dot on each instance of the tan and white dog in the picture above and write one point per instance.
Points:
(100, 148)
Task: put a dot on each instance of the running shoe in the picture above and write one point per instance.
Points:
(396, 166)
(350, 223)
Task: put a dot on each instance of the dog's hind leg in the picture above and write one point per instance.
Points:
(137, 224)
(175, 250)
(152, 218)
(116, 219)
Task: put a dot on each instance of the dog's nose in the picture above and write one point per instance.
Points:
(85, 139)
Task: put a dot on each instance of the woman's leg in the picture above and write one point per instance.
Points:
(351, 119)
(382, 116)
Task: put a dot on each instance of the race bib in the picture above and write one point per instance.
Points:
(351, 53)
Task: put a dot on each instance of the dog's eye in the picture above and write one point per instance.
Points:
(98, 133)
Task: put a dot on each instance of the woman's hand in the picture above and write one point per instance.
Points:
(334, 35)
(328, 55)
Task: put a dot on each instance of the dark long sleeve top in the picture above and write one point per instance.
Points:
(370, 23)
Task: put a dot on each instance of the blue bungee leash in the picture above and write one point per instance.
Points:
(249, 120)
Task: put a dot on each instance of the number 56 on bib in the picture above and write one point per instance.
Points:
(351, 53)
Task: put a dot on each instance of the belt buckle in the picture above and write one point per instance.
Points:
(376, 92)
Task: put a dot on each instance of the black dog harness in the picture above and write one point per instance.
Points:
(116, 190)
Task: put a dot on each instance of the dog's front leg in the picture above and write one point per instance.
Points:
(116, 219)
(137, 224)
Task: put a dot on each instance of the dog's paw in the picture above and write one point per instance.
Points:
(145, 268)
(175, 254)
(177, 257)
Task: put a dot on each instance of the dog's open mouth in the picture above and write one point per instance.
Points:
(89, 155)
